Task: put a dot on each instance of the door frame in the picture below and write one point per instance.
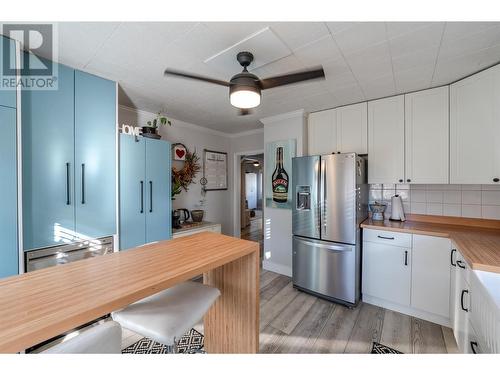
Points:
(237, 188)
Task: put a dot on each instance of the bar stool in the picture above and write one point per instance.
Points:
(105, 338)
(169, 314)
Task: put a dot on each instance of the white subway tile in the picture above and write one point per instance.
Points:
(418, 208)
(490, 198)
(417, 187)
(452, 187)
(434, 209)
(453, 197)
(406, 207)
(387, 194)
(491, 212)
(404, 194)
(376, 186)
(471, 187)
(471, 210)
(490, 187)
(389, 186)
(402, 187)
(452, 209)
(418, 196)
(471, 197)
(434, 196)
(375, 195)
(435, 187)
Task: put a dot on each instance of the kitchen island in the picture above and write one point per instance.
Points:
(39, 305)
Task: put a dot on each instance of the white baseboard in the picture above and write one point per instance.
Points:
(278, 268)
(408, 310)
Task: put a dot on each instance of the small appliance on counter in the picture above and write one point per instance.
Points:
(179, 216)
(397, 209)
(377, 210)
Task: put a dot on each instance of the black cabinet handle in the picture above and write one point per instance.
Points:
(83, 183)
(386, 238)
(473, 346)
(142, 197)
(406, 257)
(400, 180)
(496, 179)
(68, 202)
(460, 264)
(451, 257)
(462, 300)
(150, 196)
(408, 180)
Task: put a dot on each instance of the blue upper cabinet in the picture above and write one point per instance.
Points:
(48, 163)
(8, 192)
(158, 199)
(7, 97)
(132, 191)
(95, 155)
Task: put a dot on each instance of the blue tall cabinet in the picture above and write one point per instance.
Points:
(8, 175)
(145, 196)
(69, 160)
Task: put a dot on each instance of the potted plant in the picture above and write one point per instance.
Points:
(151, 129)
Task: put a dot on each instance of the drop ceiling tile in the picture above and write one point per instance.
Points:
(425, 38)
(233, 32)
(450, 70)
(319, 51)
(379, 88)
(338, 74)
(360, 36)
(455, 30)
(470, 43)
(282, 66)
(395, 29)
(349, 94)
(414, 79)
(298, 34)
(371, 63)
(415, 59)
(337, 27)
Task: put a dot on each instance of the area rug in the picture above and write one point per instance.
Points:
(378, 348)
(190, 343)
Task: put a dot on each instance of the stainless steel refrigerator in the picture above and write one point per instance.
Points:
(330, 200)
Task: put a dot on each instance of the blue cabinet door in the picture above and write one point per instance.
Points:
(132, 191)
(7, 97)
(48, 163)
(95, 156)
(8, 192)
(158, 200)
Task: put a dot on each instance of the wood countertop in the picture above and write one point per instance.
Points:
(478, 240)
(39, 305)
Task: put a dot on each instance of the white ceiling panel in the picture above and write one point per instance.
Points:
(360, 36)
(362, 60)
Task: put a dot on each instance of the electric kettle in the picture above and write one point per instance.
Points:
(397, 213)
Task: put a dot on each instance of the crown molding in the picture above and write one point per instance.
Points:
(245, 133)
(283, 116)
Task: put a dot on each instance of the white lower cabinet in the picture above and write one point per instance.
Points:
(430, 282)
(386, 272)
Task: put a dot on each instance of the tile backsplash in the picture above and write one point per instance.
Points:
(477, 201)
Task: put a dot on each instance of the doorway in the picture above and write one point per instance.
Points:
(251, 198)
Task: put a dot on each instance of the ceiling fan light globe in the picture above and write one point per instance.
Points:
(244, 99)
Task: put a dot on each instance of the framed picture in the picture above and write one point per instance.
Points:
(215, 170)
(278, 178)
(179, 151)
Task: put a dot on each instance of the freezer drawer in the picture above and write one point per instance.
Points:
(326, 268)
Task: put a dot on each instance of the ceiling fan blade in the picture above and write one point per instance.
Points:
(294, 77)
(244, 112)
(179, 73)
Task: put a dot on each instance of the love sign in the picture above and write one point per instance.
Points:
(179, 152)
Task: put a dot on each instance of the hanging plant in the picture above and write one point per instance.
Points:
(182, 178)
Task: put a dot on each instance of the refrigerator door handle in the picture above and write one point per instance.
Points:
(323, 197)
(336, 248)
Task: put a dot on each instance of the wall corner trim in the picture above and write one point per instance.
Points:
(284, 116)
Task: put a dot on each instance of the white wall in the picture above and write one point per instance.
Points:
(199, 138)
(278, 222)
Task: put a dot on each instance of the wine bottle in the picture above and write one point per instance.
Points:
(280, 179)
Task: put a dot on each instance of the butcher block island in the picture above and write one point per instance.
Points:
(39, 305)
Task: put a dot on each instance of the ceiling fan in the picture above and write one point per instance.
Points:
(245, 88)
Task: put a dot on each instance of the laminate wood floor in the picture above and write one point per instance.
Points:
(295, 322)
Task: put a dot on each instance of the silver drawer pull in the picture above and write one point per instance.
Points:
(327, 247)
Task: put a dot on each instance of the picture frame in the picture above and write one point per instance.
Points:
(215, 170)
(276, 196)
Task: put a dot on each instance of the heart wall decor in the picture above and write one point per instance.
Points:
(179, 152)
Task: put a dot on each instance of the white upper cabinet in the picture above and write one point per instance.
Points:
(475, 129)
(386, 127)
(322, 132)
(427, 136)
(352, 123)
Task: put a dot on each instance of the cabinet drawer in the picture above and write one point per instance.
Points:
(387, 237)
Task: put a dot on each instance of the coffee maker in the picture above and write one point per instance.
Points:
(179, 216)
